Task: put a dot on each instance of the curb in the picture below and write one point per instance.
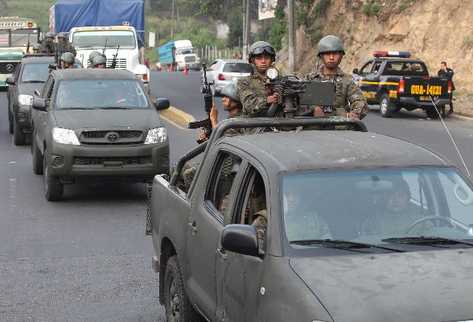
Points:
(177, 117)
(461, 117)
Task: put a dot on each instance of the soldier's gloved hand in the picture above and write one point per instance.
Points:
(202, 136)
(274, 98)
(318, 111)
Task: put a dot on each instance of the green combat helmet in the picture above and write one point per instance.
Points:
(91, 57)
(68, 58)
(230, 91)
(330, 44)
(50, 34)
(261, 47)
(99, 60)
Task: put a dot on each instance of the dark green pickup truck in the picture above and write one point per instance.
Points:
(394, 81)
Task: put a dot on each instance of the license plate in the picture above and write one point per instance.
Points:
(434, 90)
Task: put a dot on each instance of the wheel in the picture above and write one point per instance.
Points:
(176, 303)
(387, 108)
(53, 188)
(432, 113)
(37, 158)
(10, 122)
(18, 136)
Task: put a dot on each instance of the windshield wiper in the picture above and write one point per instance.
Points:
(34, 81)
(342, 244)
(426, 240)
(115, 108)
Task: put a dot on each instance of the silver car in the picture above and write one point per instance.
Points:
(224, 71)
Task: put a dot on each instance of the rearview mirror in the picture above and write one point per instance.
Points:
(37, 93)
(10, 81)
(356, 71)
(161, 104)
(39, 104)
(240, 239)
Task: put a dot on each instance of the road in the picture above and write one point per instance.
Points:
(86, 258)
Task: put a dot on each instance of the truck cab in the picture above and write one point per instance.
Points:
(111, 40)
(185, 55)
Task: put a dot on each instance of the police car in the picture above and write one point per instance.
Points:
(394, 80)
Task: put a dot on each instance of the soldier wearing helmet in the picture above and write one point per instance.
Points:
(99, 61)
(90, 60)
(231, 104)
(64, 45)
(348, 95)
(48, 46)
(252, 91)
(67, 60)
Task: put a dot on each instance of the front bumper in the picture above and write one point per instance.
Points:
(136, 163)
(412, 102)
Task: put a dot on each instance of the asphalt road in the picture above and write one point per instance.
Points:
(86, 258)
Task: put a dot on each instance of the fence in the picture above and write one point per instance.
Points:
(208, 54)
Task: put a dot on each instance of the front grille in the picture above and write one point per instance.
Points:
(189, 59)
(112, 161)
(111, 137)
(121, 63)
(7, 67)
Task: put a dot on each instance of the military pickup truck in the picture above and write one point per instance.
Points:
(394, 81)
(324, 223)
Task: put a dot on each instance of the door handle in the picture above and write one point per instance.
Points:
(193, 226)
(222, 253)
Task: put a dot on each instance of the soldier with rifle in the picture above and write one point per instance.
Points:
(64, 45)
(48, 46)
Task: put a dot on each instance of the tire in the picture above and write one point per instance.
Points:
(386, 107)
(432, 113)
(53, 188)
(18, 136)
(37, 158)
(10, 122)
(176, 302)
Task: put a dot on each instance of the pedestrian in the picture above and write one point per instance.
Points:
(447, 72)
(348, 96)
(252, 90)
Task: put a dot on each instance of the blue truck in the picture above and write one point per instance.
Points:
(178, 55)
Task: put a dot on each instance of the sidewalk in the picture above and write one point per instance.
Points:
(463, 105)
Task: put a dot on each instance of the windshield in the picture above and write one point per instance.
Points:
(101, 94)
(97, 39)
(373, 205)
(35, 73)
(237, 68)
(407, 68)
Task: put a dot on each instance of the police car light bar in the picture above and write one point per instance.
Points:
(401, 54)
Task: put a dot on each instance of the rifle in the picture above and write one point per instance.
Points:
(206, 124)
(114, 60)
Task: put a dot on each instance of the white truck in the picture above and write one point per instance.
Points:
(178, 54)
(111, 40)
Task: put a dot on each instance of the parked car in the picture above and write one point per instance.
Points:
(30, 76)
(224, 71)
(96, 124)
(313, 225)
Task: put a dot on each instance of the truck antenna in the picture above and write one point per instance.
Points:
(451, 137)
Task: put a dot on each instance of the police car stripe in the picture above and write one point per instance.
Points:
(379, 83)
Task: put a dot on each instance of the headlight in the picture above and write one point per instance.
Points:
(65, 136)
(25, 100)
(157, 135)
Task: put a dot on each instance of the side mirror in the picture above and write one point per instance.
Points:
(52, 66)
(240, 239)
(161, 103)
(37, 93)
(356, 71)
(39, 104)
(10, 81)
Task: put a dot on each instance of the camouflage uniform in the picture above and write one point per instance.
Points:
(253, 95)
(348, 95)
(48, 46)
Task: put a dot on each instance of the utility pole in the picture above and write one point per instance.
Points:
(173, 12)
(246, 27)
(292, 50)
(245, 43)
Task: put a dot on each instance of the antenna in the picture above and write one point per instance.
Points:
(451, 137)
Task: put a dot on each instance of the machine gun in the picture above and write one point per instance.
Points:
(114, 60)
(205, 124)
(297, 97)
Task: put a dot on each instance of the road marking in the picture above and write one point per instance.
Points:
(177, 117)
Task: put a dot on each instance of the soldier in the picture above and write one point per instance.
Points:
(67, 60)
(64, 45)
(90, 60)
(251, 90)
(47, 45)
(99, 61)
(348, 95)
